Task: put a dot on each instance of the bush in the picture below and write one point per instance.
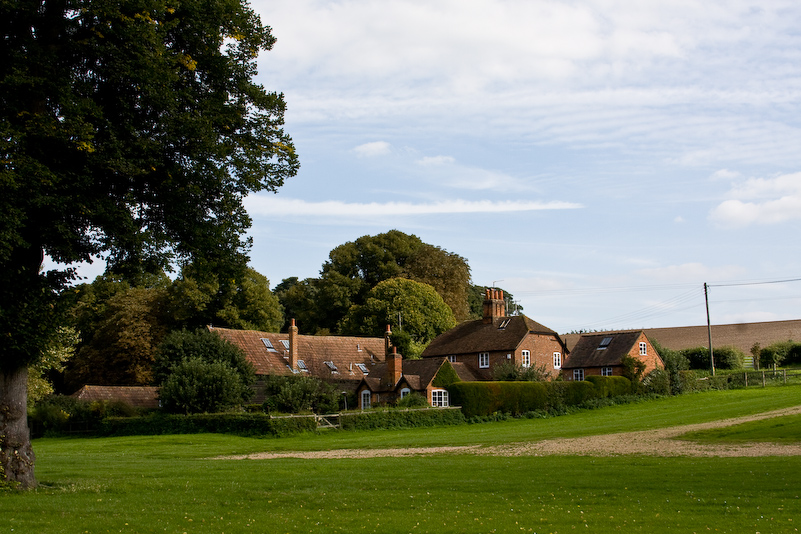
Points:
(299, 394)
(202, 344)
(780, 353)
(243, 424)
(412, 400)
(381, 419)
(728, 357)
(61, 414)
(507, 371)
(697, 358)
(657, 382)
(199, 386)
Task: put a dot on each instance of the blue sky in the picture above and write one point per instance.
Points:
(599, 159)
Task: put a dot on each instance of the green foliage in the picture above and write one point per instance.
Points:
(300, 394)
(633, 369)
(508, 371)
(54, 360)
(698, 358)
(412, 400)
(516, 398)
(445, 376)
(729, 357)
(423, 313)
(242, 424)
(195, 385)
(60, 414)
(780, 353)
(657, 382)
(475, 300)
(384, 419)
(203, 344)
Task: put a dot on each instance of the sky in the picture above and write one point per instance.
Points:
(599, 159)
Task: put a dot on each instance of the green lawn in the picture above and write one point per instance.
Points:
(168, 484)
(778, 430)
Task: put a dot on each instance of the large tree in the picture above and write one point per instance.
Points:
(129, 130)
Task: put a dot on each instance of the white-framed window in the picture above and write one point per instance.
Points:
(606, 371)
(643, 348)
(404, 392)
(439, 397)
(483, 360)
(526, 358)
(557, 360)
(452, 359)
(578, 374)
(365, 399)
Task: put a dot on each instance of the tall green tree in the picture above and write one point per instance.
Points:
(414, 308)
(131, 130)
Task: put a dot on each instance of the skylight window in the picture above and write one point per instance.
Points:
(504, 324)
(302, 366)
(331, 365)
(604, 343)
(268, 344)
(363, 368)
(285, 343)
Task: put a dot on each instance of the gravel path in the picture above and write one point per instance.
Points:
(659, 442)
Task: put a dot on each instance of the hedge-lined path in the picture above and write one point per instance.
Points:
(659, 442)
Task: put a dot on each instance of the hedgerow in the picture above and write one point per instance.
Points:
(481, 399)
(243, 424)
(381, 419)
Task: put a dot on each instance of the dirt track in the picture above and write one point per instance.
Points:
(660, 442)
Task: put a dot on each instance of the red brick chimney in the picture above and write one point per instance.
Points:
(293, 344)
(394, 367)
(494, 306)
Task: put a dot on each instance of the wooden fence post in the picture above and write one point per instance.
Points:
(763, 379)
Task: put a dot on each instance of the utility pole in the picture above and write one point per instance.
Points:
(709, 328)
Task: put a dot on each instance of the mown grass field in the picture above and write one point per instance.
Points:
(169, 484)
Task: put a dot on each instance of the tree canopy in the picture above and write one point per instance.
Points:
(130, 131)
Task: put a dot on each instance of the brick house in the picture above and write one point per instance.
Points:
(396, 378)
(602, 354)
(495, 338)
(343, 360)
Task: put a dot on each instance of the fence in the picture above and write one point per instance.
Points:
(764, 378)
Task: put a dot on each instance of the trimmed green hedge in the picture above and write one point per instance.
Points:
(374, 420)
(243, 424)
(516, 398)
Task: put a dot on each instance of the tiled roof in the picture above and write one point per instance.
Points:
(742, 336)
(418, 373)
(598, 350)
(136, 396)
(476, 336)
(327, 357)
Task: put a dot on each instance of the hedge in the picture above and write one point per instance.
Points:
(381, 419)
(243, 424)
(516, 398)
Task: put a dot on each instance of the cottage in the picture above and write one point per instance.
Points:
(602, 354)
(396, 378)
(495, 338)
(340, 359)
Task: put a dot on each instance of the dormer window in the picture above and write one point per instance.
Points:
(604, 343)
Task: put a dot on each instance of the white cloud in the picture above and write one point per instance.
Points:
(273, 206)
(371, 150)
(436, 161)
(725, 174)
(760, 201)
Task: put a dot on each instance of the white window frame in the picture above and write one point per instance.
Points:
(439, 398)
(452, 359)
(526, 357)
(404, 392)
(366, 394)
(606, 371)
(643, 348)
(483, 360)
(557, 360)
(578, 374)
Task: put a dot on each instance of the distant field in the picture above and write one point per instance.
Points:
(169, 484)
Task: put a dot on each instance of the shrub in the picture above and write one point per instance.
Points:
(697, 358)
(633, 369)
(381, 419)
(199, 386)
(780, 353)
(445, 376)
(202, 344)
(412, 400)
(507, 371)
(298, 394)
(728, 357)
(657, 381)
(244, 424)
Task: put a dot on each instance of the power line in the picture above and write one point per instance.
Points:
(756, 283)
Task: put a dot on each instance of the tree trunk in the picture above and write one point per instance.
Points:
(16, 453)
